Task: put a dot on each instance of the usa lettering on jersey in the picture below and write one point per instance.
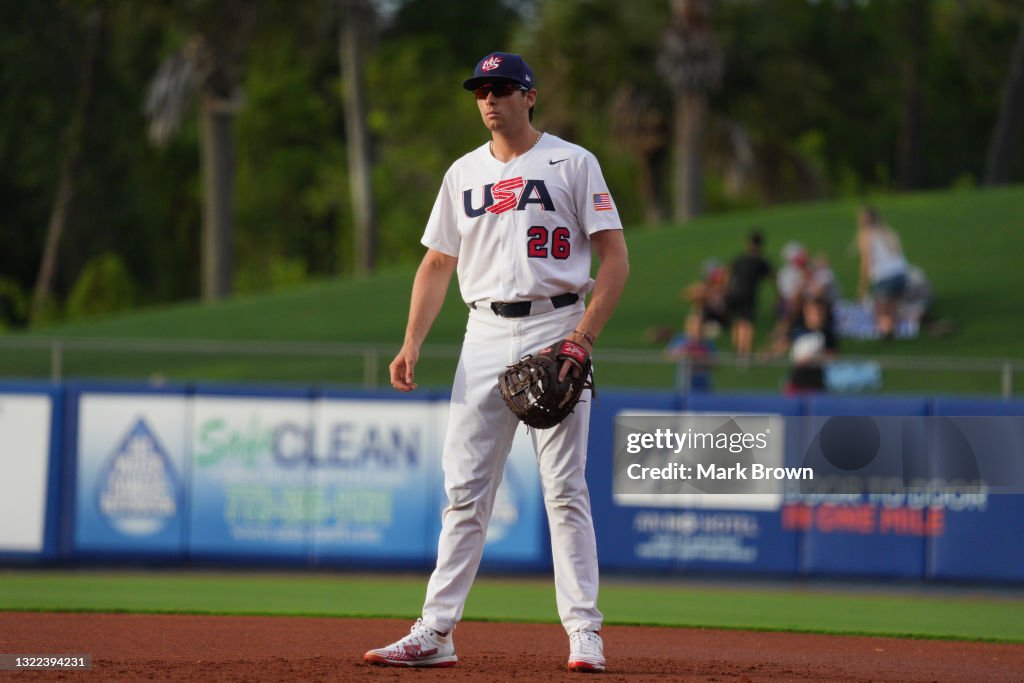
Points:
(505, 195)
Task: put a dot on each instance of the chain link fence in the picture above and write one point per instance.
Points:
(366, 365)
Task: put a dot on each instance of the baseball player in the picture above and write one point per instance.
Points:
(517, 218)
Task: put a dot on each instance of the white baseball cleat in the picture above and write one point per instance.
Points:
(586, 652)
(422, 647)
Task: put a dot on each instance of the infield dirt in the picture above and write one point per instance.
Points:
(224, 648)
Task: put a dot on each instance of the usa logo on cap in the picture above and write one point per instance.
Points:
(506, 66)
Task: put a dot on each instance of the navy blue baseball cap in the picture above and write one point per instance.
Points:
(500, 66)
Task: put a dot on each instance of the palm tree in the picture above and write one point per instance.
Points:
(356, 25)
(914, 24)
(67, 181)
(691, 63)
(1007, 129)
(639, 126)
(208, 65)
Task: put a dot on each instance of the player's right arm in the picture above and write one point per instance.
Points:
(428, 293)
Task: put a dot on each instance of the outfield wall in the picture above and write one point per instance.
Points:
(242, 475)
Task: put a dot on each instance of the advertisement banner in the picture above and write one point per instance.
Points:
(688, 484)
(516, 531)
(982, 532)
(981, 539)
(617, 527)
(743, 540)
(886, 487)
(131, 472)
(251, 483)
(24, 462)
(233, 476)
(851, 525)
(375, 466)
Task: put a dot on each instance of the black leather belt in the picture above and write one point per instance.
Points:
(521, 309)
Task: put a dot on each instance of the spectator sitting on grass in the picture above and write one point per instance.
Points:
(822, 282)
(707, 300)
(883, 268)
(917, 298)
(812, 342)
(789, 281)
(690, 346)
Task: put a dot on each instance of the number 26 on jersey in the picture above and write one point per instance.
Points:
(543, 242)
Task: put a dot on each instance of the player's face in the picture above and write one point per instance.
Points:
(504, 106)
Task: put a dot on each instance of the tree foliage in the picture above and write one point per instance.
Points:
(817, 98)
(104, 286)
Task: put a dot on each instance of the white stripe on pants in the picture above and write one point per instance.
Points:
(479, 436)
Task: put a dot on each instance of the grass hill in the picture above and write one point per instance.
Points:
(968, 242)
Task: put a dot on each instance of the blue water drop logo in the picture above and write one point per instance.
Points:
(138, 492)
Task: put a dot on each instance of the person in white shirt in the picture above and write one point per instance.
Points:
(518, 218)
(883, 268)
(790, 279)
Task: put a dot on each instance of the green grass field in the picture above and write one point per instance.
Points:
(966, 240)
(777, 608)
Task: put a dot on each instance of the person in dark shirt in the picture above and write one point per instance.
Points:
(745, 275)
(812, 343)
(708, 299)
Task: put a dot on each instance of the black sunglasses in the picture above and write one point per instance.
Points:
(499, 90)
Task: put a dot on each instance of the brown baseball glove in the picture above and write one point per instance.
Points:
(532, 390)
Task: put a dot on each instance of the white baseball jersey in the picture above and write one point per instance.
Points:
(521, 229)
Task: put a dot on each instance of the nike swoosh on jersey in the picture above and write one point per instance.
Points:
(553, 162)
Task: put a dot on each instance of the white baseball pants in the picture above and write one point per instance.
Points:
(479, 436)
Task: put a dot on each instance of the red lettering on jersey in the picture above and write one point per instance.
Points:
(505, 197)
(508, 197)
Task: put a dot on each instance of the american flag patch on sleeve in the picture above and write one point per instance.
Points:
(602, 201)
